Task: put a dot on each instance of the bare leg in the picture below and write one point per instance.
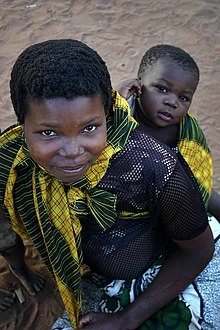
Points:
(32, 281)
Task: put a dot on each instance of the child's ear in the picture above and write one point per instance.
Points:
(138, 93)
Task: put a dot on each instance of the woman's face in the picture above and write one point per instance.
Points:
(65, 136)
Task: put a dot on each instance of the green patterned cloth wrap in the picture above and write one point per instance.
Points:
(111, 296)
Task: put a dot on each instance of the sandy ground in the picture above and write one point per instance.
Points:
(121, 31)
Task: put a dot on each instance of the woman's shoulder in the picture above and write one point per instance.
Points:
(146, 155)
(148, 144)
(11, 134)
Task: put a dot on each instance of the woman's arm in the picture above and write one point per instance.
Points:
(179, 270)
(183, 217)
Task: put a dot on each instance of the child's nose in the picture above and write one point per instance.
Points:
(172, 101)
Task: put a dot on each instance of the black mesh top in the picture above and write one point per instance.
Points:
(146, 177)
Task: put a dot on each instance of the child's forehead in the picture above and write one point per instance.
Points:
(168, 71)
(165, 63)
(168, 67)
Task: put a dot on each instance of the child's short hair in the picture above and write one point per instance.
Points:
(58, 68)
(176, 54)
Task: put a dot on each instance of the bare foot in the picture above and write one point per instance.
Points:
(31, 280)
(6, 299)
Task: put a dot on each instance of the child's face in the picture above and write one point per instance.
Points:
(66, 136)
(167, 92)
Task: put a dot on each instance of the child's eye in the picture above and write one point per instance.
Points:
(48, 133)
(183, 98)
(162, 89)
(89, 128)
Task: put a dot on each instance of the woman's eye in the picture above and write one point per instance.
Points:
(89, 128)
(48, 133)
(162, 89)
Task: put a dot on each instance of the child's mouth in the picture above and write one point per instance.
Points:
(166, 116)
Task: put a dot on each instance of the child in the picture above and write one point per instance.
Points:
(172, 124)
(160, 99)
(84, 184)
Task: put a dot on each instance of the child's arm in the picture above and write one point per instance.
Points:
(214, 205)
(129, 87)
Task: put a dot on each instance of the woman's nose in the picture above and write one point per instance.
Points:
(71, 148)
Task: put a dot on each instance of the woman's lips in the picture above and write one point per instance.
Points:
(72, 170)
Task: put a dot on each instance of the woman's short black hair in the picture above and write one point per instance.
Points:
(176, 54)
(58, 68)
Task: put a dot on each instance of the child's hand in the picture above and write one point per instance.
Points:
(129, 87)
(102, 321)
